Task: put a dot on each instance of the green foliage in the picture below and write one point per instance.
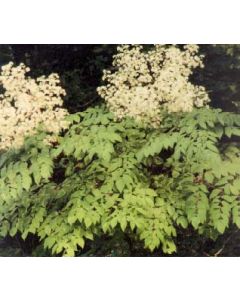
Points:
(105, 176)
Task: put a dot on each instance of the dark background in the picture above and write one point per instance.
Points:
(80, 68)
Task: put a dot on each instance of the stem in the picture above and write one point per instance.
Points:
(224, 244)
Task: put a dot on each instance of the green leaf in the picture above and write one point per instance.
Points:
(221, 226)
(123, 223)
(183, 222)
(81, 242)
(69, 252)
(36, 175)
(215, 193)
(228, 131)
(49, 242)
(71, 219)
(120, 184)
(26, 182)
(45, 171)
(195, 222)
(4, 228)
(88, 221)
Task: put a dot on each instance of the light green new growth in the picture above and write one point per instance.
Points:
(105, 175)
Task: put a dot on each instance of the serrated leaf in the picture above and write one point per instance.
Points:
(228, 131)
(45, 171)
(120, 184)
(220, 226)
(123, 223)
(80, 241)
(195, 222)
(183, 222)
(26, 182)
(71, 219)
(88, 221)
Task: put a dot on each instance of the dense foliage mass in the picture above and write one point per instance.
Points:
(108, 176)
(109, 180)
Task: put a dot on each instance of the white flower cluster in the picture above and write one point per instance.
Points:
(25, 103)
(144, 84)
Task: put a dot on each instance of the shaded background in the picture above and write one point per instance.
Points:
(80, 68)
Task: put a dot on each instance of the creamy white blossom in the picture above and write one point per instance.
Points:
(25, 103)
(144, 84)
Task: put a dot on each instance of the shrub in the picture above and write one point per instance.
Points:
(109, 176)
(106, 175)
